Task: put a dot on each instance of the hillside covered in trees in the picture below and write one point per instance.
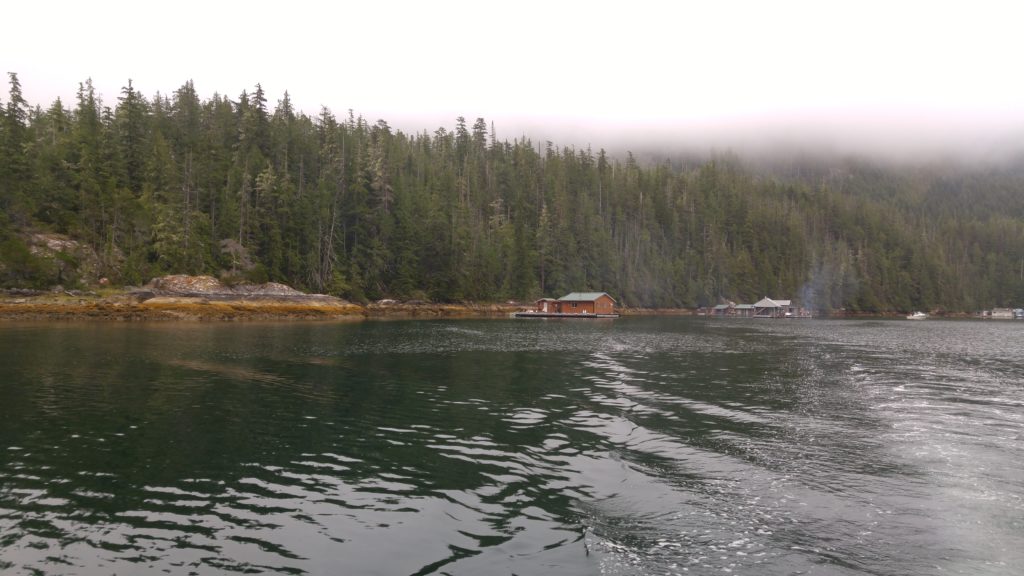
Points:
(235, 187)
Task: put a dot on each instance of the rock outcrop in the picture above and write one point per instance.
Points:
(208, 287)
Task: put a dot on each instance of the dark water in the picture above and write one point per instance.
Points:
(635, 446)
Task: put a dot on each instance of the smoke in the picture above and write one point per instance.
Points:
(832, 281)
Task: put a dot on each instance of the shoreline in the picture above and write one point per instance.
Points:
(130, 307)
(127, 307)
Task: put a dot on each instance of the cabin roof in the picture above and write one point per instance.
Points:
(767, 302)
(584, 296)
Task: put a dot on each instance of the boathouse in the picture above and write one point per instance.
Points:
(769, 308)
(733, 310)
(1001, 314)
(578, 303)
(586, 303)
(573, 305)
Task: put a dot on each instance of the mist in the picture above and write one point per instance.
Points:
(895, 82)
(884, 134)
(881, 135)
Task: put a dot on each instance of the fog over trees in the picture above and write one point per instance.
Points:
(333, 203)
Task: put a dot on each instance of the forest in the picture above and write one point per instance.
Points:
(237, 188)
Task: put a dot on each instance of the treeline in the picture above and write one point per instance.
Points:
(235, 187)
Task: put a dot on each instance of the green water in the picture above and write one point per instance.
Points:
(633, 446)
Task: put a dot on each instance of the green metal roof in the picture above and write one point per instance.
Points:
(583, 296)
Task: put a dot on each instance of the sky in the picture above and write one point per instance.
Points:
(884, 77)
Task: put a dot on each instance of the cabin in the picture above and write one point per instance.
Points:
(547, 305)
(1001, 314)
(586, 303)
(723, 309)
(733, 310)
(745, 310)
(599, 303)
(770, 308)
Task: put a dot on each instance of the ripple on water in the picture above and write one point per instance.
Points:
(654, 446)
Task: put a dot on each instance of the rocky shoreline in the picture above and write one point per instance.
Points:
(127, 307)
(204, 298)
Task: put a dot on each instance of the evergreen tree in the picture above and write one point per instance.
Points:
(179, 184)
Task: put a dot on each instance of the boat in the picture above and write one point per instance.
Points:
(917, 316)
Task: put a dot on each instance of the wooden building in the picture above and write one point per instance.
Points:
(733, 310)
(769, 308)
(589, 304)
(1001, 314)
(586, 303)
(548, 305)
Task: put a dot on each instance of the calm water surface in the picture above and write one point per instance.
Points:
(635, 446)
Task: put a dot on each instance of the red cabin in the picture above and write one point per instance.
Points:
(578, 303)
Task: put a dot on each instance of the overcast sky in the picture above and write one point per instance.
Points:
(920, 76)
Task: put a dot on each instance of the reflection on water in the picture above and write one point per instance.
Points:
(639, 446)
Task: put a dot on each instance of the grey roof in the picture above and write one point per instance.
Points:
(767, 302)
(744, 306)
(583, 296)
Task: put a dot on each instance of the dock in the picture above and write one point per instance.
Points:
(560, 315)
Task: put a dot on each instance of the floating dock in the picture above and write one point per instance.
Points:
(560, 315)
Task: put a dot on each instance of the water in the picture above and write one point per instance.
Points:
(634, 446)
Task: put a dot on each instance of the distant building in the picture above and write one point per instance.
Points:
(724, 310)
(764, 308)
(547, 305)
(578, 303)
(744, 310)
(586, 303)
(733, 310)
(1002, 314)
(769, 308)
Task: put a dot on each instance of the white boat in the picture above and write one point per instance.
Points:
(917, 316)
